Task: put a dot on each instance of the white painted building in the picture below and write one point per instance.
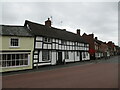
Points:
(56, 46)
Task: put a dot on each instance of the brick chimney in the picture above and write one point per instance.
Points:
(48, 22)
(78, 31)
(91, 35)
(96, 38)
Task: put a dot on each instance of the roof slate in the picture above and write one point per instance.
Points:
(42, 30)
(7, 30)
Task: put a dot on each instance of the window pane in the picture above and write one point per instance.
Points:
(21, 62)
(4, 57)
(8, 56)
(26, 62)
(8, 63)
(13, 56)
(21, 56)
(13, 62)
(17, 62)
(0, 63)
(3, 63)
(26, 56)
(17, 56)
(0, 57)
(46, 55)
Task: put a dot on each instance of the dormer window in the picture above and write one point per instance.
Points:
(45, 39)
(48, 40)
(63, 42)
(14, 42)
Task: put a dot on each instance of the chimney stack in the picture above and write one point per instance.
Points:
(48, 22)
(96, 38)
(91, 35)
(78, 31)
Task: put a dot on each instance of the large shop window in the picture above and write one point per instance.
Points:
(7, 60)
(46, 55)
(14, 42)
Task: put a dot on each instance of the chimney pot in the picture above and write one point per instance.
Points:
(78, 31)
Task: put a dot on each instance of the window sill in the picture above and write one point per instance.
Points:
(14, 47)
(16, 66)
(45, 61)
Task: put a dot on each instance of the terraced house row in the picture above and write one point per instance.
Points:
(34, 45)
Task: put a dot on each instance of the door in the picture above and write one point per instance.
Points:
(59, 58)
(80, 56)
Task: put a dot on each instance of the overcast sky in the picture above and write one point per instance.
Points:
(100, 18)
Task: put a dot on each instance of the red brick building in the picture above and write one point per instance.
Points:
(90, 39)
(111, 48)
(97, 48)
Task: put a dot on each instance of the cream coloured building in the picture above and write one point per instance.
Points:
(16, 48)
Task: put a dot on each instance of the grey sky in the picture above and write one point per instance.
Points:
(100, 18)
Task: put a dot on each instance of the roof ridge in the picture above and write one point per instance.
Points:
(51, 27)
(12, 25)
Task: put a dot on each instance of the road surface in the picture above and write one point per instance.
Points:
(101, 74)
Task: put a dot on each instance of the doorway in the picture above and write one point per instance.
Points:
(59, 58)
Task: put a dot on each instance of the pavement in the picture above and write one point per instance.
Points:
(99, 73)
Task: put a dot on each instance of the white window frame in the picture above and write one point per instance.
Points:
(14, 46)
(66, 55)
(15, 59)
(49, 53)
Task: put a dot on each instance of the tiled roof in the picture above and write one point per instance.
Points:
(8, 30)
(42, 30)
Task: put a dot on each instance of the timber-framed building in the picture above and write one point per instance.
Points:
(56, 46)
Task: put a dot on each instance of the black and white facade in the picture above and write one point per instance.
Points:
(56, 46)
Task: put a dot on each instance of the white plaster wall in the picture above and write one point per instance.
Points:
(53, 46)
(77, 58)
(53, 62)
(41, 64)
(63, 56)
(56, 46)
(38, 45)
(67, 47)
(45, 46)
(40, 56)
(60, 47)
(49, 46)
(39, 38)
(70, 47)
(73, 48)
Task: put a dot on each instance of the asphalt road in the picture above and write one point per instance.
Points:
(99, 74)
